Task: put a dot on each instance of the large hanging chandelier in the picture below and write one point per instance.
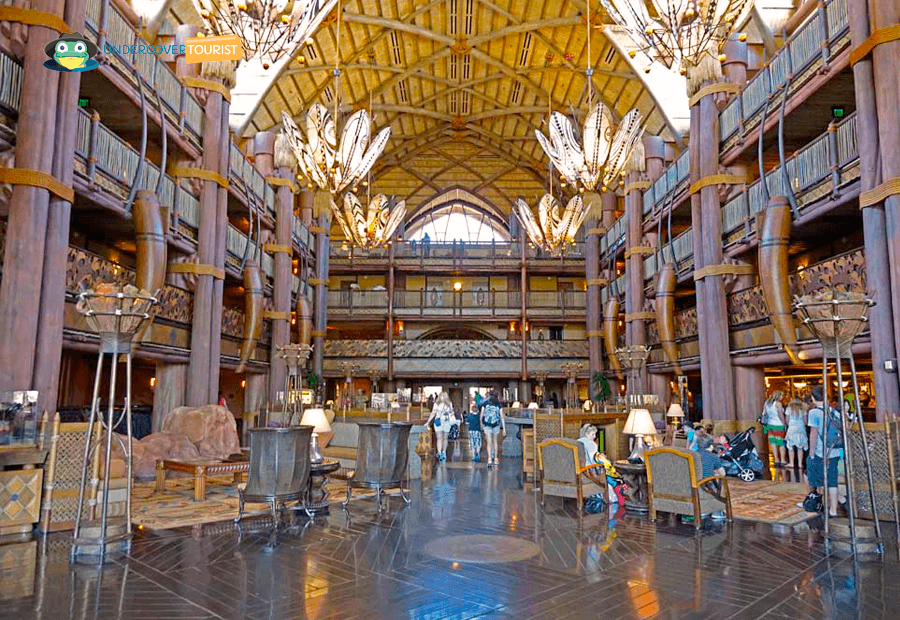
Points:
(597, 160)
(330, 165)
(373, 228)
(552, 231)
(268, 29)
(677, 33)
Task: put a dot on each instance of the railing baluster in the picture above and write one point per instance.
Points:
(833, 158)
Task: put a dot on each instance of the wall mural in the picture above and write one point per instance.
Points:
(502, 349)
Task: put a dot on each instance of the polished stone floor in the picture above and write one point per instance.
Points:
(521, 562)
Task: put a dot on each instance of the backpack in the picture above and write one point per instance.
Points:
(491, 415)
(834, 433)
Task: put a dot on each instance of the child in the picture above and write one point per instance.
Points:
(492, 420)
(473, 421)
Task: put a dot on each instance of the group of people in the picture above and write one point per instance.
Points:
(787, 431)
(485, 417)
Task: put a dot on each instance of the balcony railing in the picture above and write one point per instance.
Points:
(246, 179)
(491, 253)
(457, 303)
(10, 82)
(302, 236)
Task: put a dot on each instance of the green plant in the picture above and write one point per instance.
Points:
(603, 390)
(313, 381)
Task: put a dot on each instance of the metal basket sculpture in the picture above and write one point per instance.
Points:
(116, 313)
(633, 358)
(835, 318)
(295, 357)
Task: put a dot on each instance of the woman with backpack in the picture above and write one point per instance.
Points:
(492, 420)
(444, 419)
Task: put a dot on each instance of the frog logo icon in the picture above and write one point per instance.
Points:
(72, 53)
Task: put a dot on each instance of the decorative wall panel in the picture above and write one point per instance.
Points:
(457, 349)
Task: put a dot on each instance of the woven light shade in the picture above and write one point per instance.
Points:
(112, 309)
(834, 317)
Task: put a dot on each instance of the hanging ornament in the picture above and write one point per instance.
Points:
(552, 231)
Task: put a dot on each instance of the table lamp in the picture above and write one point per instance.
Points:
(316, 418)
(675, 413)
(639, 424)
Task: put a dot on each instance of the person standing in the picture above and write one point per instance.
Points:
(796, 439)
(818, 461)
(773, 418)
(473, 421)
(426, 245)
(492, 420)
(443, 417)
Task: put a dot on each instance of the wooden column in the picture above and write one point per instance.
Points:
(322, 213)
(26, 232)
(221, 223)
(390, 312)
(877, 86)
(523, 332)
(750, 384)
(254, 400)
(171, 380)
(659, 385)
(592, 310)
(712, 311)
(48, 346)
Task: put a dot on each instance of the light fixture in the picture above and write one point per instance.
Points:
(639, 424)
(243, 383)
(598, 159)
(676, 413)
(321, 428)
(267, 29)
(376, 227)
(551, 231)
(457, 286)
(153, 382)
(678, 33)
(330, 165)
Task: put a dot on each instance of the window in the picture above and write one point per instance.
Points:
(556, 332)
(458, 222)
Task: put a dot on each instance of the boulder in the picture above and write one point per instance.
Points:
(211, 428)
(152, 448)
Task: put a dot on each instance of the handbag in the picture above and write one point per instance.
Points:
(813, 502)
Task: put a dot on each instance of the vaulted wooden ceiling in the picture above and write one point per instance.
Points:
(463, 84)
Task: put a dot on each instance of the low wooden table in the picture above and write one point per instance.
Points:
(635, 475)
(201, 468)
(318, 494)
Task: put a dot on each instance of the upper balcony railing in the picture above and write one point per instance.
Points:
(456, 303)
(302, 235)
(468, 254)
(672, 181)
(247, 180)
(182, 108)
(10, 82)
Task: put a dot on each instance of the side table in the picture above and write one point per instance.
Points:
(635, 475)
(317, 500)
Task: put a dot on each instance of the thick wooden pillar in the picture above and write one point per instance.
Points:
(659, 385)
(523, 331)
(254, 400)
(750, 384)
(390, 312)
(877, 87)
(48, 346)
(26, 232)
(593, 310)
(712, 312)
(322, 213)
(171, 380)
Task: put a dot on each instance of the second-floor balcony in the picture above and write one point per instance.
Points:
(437, 303)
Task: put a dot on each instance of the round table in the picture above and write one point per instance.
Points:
(635, 475)
(317, 500)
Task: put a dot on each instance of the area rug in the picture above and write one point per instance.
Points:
(767, 501)
(175, 507)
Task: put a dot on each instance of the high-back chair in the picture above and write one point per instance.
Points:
(675, 484)
(563, 470)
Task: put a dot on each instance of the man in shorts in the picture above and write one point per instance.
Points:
(815, 466)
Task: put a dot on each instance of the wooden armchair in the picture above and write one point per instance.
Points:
(563, 470)
(674, 485)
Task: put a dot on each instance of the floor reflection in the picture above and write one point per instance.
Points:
(370, 564)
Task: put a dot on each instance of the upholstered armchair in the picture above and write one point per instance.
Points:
(563, 468)
(674, 485)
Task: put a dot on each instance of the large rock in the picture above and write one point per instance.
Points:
(156, 447)
(211, 428)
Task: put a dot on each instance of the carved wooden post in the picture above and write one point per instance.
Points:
(48, 346)
(523, 327)
(706, 216)
(879, 258)
(390, 311)
(168, 394)
(592, 279)
(322, 212)
(26, 233)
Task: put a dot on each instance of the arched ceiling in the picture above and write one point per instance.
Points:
(463, 84)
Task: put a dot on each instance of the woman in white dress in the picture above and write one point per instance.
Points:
(796, 437)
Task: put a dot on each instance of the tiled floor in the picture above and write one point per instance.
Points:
(373, 566)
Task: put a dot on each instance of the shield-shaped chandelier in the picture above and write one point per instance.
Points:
(373, 228)
(677, 33)
(330, 165)
(597, 160)
(552, 231)
(268, 29)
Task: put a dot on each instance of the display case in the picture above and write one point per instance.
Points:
(19, 419)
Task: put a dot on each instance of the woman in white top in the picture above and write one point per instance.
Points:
(444, 418)
(796, 432)
(773, 418)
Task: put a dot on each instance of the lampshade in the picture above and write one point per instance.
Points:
(639, 422)
(316, 418)
(675, 411)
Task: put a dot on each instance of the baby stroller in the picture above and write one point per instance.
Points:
(742, 459)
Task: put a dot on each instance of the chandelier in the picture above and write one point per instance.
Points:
(677, 32)
(552, 231)
(600, 156)
(330, 165)
(268, 29)
(376, 226)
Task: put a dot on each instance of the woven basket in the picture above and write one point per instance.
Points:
(111, 308)
(834, 317)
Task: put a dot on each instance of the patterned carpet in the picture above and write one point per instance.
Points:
(768, 501)
(175, 507)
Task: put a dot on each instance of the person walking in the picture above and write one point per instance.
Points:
(473, 421)
(492, 420)
(796, 439)
(773, 418)
(815, 465)
(443, 417)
